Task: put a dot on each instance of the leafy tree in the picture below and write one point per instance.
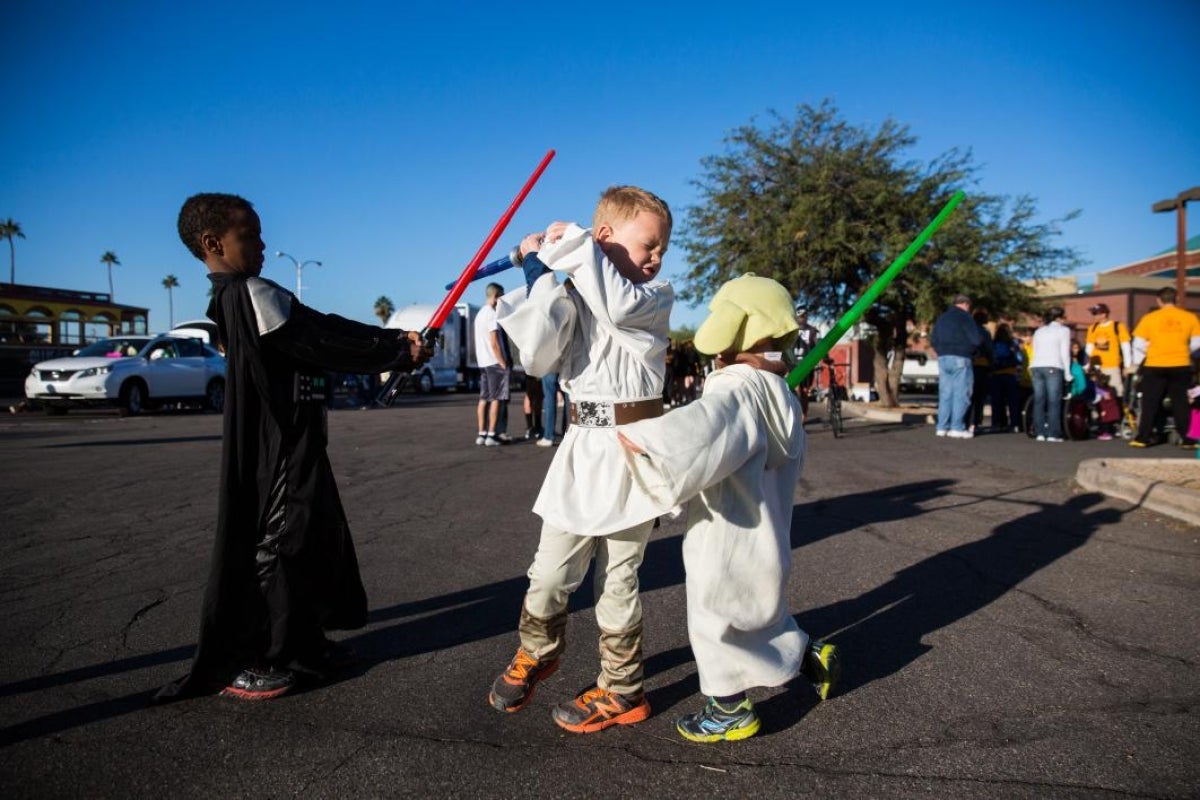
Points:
(683, 333)
(170, 282)
(110, 260)
(384, 308)
(8, 229)
(824, 207)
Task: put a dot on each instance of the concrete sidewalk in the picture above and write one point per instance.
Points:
(1169, 486)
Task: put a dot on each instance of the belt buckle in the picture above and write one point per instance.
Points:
(596, 414)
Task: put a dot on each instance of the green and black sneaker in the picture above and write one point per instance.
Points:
(822, 666)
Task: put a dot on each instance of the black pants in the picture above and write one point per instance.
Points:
(1157, 383)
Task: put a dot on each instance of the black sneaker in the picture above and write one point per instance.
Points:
(260, 684)
(328, 660)
(513, 689)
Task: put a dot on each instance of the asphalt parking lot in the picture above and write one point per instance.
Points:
(1005, 633)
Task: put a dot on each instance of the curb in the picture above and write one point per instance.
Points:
(867, 411)
(1105, 475)
(1094, 474)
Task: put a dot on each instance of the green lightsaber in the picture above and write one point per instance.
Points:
(810, 360)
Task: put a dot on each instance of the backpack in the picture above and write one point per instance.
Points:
(1003, 355)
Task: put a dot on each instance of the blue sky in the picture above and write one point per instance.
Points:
(385, 139)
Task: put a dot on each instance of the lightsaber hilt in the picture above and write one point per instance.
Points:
(814, 356)
(513, 259)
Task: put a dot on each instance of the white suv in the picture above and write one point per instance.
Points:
(133, 373)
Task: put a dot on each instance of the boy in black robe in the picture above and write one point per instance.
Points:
(283, 565)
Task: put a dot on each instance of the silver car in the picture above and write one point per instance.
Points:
(132, 373)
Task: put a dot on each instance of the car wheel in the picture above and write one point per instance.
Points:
(133, 398)
(425, 383)
(55, 410)
(214, 395)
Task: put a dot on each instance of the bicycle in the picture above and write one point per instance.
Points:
(1164, 424)
(834, 394)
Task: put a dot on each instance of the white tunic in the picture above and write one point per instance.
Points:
(606, 337)
(736, 454)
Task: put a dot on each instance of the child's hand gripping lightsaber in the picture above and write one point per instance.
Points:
(430, 333)
(810, 360)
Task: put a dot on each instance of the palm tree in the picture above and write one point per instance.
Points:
(170, 282)
(384, 308)
(8, 229)
(110, 258)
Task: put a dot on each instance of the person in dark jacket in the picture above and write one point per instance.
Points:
(283, 568)
(956, 338)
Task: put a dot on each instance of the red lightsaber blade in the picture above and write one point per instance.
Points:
(464, 280)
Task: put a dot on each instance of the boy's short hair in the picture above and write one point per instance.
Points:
(209, 211)
(620, 203)
(493, 290)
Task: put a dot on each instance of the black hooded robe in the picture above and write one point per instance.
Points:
(283, 565)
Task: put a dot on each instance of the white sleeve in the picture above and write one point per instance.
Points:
(1139, 350)
(631, 312)
(541, 324)
(693, 447)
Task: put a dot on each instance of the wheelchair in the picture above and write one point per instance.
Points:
(1077, 418)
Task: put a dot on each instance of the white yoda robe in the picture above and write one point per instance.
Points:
(607, 338)
(735, 456)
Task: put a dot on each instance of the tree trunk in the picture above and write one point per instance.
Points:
(891, 338)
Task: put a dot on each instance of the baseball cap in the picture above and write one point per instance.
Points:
(744, 311)
(1099, 308)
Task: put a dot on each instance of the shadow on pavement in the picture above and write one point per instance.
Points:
(482, 612)
(880, 632)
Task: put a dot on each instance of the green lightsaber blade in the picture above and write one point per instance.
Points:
(811, 359)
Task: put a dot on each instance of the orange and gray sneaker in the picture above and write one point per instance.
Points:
(513, 689)
(597, 708)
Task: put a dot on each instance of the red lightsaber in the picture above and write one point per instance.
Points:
(429, 334)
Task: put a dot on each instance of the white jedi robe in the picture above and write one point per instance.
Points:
(607, 338)
(736, 455)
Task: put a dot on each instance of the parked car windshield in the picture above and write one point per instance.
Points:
(121, 347)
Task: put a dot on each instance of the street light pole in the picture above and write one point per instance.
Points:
(300, 265)
(1179, 205)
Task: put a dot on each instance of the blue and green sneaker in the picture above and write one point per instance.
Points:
(717, 723)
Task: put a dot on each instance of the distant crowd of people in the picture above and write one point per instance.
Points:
(1056, 386)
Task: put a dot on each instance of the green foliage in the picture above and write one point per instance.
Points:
(384, 308)
(110, 260)
(9, 229)
(683, 334)
(824, 207)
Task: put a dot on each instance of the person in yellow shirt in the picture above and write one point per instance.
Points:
(1163, 343)
(1108, 347)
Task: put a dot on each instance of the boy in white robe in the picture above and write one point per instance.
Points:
(736, 455)
(594, 312)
